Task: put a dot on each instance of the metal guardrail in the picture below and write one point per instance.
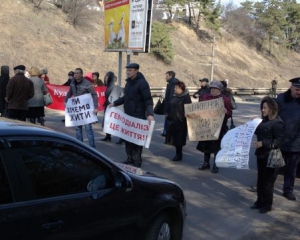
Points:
(157, 91)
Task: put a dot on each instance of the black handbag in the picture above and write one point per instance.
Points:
(232, 126)
(159, 107)
(275, 159)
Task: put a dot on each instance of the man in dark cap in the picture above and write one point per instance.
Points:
(18, 91)
(203, 90)
(289, 111)
(138, 103)
(70, 78)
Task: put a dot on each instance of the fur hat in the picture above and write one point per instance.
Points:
(216, 84)
(43, 70)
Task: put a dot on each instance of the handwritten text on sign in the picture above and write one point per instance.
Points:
(235, 146)
(80, 111)
(206, 121)
(131, 129)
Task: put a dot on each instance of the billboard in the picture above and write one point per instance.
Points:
(127, 25)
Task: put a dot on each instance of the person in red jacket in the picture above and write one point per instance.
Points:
(44, 76)
(213, 146)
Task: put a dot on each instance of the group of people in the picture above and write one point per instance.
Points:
(22, 96)
(280, 128)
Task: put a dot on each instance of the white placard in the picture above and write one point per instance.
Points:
(80, 111)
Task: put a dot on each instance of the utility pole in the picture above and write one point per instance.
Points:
(212, 59)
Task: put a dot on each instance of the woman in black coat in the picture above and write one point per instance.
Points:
(109, 81)
(177, 126)
(270, 134)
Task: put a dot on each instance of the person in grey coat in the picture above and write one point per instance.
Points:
(36, 103)
(289, 111)
(79, 86)
(138, 103)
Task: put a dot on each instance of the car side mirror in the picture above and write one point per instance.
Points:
(123, 181)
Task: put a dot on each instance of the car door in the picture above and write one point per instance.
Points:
(76, 189)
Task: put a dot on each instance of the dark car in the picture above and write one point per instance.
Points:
(55, 187)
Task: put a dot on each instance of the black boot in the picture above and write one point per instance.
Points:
(120, 141)
(205, 165)
(107, 138)
(178, 156)
(215, 169)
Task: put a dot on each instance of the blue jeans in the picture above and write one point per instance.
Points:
(89, 134)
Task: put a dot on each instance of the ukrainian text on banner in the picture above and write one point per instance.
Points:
(80, 111)
(205, 119)
(135, 130)
(58, 94)
(235, 146)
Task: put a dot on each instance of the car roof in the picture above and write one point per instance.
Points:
(10, 127)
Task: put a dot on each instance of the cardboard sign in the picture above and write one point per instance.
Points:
(204, 119)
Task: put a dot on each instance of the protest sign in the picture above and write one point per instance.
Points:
(235, 146)
(80, 111)
(135, 130)
(205, 119)
(115, 94)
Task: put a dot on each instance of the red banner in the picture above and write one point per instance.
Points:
(58, 94)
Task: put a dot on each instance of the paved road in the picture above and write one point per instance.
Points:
(217, 204)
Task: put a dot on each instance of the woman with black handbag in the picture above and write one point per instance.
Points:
(270, 135)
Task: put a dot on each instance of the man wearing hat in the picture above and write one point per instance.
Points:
(213, 146)
(138, 103)
(203, 90)
(18, 91)
(289, 111)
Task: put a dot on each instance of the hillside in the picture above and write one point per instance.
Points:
(44, 38)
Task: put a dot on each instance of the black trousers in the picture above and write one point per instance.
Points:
(17, 114)
(266, 178)
(290, 170)
(134, 153)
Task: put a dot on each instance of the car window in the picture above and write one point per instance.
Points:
(5, 190)
(58, 169)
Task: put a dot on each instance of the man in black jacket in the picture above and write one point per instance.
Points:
(138, 103)
(289, 111)
(203, 90)
(171, 81)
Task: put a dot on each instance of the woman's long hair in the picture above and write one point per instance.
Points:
(272, 105)
(110, 79)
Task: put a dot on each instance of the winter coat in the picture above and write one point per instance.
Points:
(177, 126)
(137, 97)
(201, 92)
(169, 94)
(18, 91)
(110, 83)
(39, 89)
(80, 88)
(289, 111)
(213, 146)
(3, 83)
(271, 133)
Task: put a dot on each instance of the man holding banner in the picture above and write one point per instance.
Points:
(80, 86)
(138, 103)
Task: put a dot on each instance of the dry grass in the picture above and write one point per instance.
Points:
(44, 38)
